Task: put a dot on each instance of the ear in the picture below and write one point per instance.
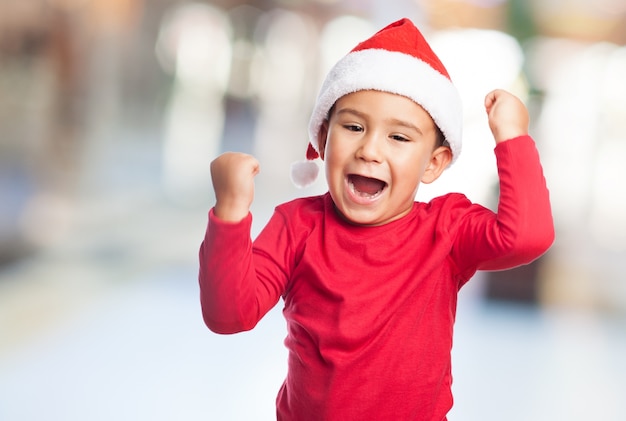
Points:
(439, 161)
(322, 135)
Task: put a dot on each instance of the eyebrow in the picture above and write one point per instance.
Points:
(393, 121)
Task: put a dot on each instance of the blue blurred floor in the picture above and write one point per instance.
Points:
(109, 328)
(109, 336)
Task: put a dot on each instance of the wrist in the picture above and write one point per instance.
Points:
(230, 212)
(504, 135)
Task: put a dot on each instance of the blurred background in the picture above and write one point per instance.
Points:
(111, 111)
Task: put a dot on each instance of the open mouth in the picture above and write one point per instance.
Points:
(365, 187)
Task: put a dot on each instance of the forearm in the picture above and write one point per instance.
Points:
(227, 277)
(523, 228)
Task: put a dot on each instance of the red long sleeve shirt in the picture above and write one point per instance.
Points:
(370, 310)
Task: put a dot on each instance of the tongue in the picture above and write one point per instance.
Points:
(366, 185)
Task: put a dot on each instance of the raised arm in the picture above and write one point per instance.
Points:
(234, 292)
(522, 229)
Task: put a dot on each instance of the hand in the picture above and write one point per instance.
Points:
(507, 115)
(233, 174)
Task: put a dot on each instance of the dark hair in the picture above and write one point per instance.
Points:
(440, 139)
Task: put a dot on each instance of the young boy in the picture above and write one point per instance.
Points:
(370, 277)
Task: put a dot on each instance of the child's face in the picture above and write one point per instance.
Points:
(377, 148)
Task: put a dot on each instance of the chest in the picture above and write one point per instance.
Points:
(347, 290)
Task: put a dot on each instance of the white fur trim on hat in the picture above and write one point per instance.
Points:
(397, 73)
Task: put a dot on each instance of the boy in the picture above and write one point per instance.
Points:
(370, 277)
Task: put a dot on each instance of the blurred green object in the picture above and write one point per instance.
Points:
(520, 21)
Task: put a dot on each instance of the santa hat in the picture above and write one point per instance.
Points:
(397, 59)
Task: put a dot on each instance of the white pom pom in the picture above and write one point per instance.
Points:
(304, 173)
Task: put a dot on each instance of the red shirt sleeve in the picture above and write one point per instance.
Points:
(522, 229)
(238, 285)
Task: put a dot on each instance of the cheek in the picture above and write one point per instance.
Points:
(333, 169)
(334, 154)
(409, 172)
(409, 163)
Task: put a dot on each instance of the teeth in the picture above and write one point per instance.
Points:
(361, 193)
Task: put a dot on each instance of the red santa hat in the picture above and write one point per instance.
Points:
(397, 59)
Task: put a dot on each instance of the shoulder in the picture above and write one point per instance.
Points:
(294, 222)
(447, 203)
(303, 204)
(449, 212)
(302, 211)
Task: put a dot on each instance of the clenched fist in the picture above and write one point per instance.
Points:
(233, 174)
(507, 115)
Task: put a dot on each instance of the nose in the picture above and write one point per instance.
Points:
(370, 148)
